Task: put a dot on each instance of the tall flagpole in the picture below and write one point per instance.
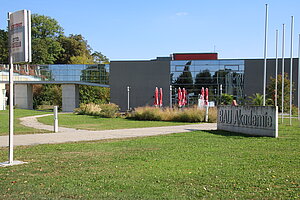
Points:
(276, 68)
(265, 57)
(291, 68)
(11, 100)
(282, 73)
(299, 80)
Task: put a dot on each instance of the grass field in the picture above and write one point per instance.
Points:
(18, 128)
(96, 123)
(195, 165)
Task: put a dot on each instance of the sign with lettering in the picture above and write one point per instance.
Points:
(20, 36)
(252, 120)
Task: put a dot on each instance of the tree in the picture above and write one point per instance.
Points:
(47, 94)
(3, 46)
(45, 27)
(45, 46)
(76, 50)
(84, 59)
(286, 96)
(45, 51)
(93, 94)
(99, 58)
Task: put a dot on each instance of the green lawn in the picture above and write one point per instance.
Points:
(96, 123)
(195, 165)
(18, 128)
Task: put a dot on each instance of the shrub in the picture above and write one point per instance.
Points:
(93, 94)
(102, 110)
(294, 110)
(47, 95)
(109, 110)
(88, 109)
(226, 99)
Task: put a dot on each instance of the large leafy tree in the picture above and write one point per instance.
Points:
(98, 57)
(45, 32)
(76, 50)
(3, 46)
(45, 27)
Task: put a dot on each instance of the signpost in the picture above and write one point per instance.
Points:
(19, 34)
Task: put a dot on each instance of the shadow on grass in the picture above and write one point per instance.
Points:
(225, 133)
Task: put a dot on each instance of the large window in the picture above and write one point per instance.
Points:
(220, 76)
(96, 74)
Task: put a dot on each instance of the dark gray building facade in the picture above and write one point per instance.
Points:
(142, 77)
(239, 77)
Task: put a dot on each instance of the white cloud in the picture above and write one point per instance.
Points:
(179, 14)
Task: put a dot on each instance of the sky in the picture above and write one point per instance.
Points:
(142, 30)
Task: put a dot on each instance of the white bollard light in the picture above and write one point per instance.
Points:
(206, 113)
(55, 119)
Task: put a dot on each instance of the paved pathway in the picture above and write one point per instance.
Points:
(73, 135)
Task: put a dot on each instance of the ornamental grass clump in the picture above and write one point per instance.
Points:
(212, 115)
(109, 110)
(102, 110)
(146, 113)
(88, 109)
(167, 114)
(173, 114)
(190, 115)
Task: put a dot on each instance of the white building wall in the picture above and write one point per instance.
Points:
(3, 98)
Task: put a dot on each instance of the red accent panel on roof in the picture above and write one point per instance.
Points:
(195, 56)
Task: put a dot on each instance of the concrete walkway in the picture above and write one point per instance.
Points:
(73, 135)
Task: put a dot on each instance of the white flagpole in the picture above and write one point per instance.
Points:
(276, 68)
(299, 80)
(291, 68)
(282, 73)
(11, 101)
(265, 57)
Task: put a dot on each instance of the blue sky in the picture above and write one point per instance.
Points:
(137, 29)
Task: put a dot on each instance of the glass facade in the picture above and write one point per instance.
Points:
(219, 76)
(96, 74)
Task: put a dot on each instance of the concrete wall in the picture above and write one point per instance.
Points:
(254, 75)
(23, 96)
(70, 97)
(142, 77)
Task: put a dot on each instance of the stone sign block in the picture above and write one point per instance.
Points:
(251, 120)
